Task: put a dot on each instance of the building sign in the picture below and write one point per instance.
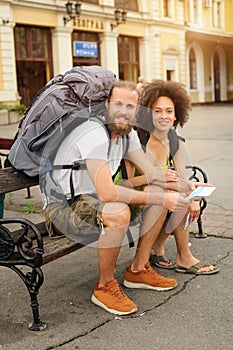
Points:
(89, 24)
(85, 49)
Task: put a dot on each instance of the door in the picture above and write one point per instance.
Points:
(33, 60)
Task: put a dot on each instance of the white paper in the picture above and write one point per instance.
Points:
(187, 222)
(202, 191)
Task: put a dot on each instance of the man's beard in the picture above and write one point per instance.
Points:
(119, 129)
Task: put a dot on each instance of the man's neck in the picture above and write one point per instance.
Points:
(115, 137)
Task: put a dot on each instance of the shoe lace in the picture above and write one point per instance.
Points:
(154, 273)
(117, 292)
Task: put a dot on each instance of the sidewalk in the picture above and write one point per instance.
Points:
(197, 314)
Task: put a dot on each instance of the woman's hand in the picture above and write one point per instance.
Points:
(194, 210)
(170, 175)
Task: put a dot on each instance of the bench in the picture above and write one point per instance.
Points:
(30, 246)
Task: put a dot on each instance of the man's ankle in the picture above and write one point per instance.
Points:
(138, 268)
(103, 282)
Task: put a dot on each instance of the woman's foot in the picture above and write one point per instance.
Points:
(195, 265)
(161, 261)
(200, 268)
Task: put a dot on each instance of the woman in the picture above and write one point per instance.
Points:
(166, 105)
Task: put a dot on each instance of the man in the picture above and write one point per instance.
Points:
(99, 202)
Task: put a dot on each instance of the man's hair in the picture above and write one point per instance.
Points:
(123, 84)
(171, 89)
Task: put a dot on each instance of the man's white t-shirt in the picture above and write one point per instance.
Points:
(89, 141)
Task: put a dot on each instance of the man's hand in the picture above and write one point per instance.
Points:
(174, 201)
(181, 186)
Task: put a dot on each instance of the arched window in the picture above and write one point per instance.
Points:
(192, 70)
(131, 5)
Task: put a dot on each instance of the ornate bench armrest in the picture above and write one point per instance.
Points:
(23, 246)
(197, 174)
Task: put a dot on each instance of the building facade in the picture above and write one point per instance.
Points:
(190, 41)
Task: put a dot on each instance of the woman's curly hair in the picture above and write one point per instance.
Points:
(171, 89)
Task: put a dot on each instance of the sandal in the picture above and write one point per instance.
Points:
(194, 269)
(157, 259)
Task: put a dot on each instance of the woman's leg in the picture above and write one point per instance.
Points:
(184, 256)
(158, 251)
(149, 230)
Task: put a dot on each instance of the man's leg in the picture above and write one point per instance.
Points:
(107, 292)
(116, 219)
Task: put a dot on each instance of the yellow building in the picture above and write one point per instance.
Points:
(190, 41)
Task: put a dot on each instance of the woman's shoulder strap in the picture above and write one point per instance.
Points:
(174, 141)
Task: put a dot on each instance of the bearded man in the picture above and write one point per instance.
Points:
(104, 208)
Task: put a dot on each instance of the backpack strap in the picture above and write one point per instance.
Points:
(125, 177)
(172, 137)
(173, 142)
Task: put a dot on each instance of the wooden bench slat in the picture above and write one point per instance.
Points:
(5, 143)
(13, 180)
(56, 248)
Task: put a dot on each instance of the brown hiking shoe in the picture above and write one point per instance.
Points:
(148, 279)
(112, 299)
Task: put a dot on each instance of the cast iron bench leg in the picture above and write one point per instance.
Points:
(33, 281)
(200, 233)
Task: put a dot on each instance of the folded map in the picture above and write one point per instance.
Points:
(202, 191)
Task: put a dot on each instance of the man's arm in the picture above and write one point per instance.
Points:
(109, 192)
(167, 179)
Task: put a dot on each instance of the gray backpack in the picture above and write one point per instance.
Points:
(64, 103)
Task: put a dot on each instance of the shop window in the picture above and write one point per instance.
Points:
(33, 60)
(131, 5)
(128, 53)
(192, 70)
(32, 42)
(89, 52)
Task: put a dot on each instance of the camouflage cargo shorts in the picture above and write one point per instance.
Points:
(82, 221)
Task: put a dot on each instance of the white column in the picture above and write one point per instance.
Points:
(109, 51)
(146, 68)
(156, 56)
(62, 49)
(8, 64)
